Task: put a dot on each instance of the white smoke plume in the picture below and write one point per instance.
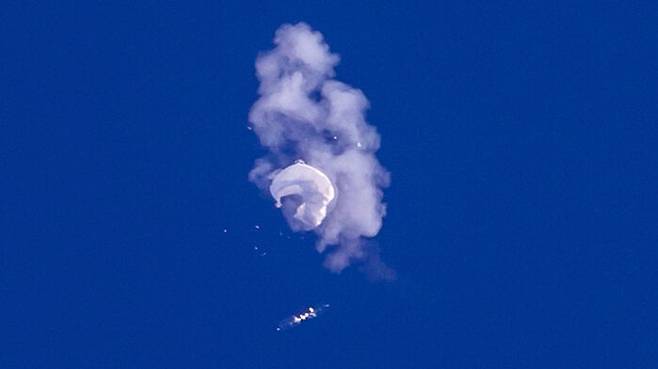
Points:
(303, 113)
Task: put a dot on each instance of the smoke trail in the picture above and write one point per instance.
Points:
(303, 113)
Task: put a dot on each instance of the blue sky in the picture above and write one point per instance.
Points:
(521, 216)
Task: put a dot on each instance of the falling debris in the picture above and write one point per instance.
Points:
(310, 312)
(225, 230)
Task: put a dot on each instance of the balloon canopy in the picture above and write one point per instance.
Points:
(313, 189)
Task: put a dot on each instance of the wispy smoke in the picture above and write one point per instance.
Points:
(303, 113)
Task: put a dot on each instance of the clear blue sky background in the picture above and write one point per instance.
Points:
(522, 140)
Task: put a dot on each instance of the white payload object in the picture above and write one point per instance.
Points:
(313, 188)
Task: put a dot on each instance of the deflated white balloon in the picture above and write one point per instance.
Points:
(311, 185)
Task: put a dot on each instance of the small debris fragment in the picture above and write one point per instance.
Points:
(310, 312)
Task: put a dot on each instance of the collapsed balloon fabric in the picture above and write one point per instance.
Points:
(312, 187)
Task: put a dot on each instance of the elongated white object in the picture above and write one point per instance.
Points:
(311, 185)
